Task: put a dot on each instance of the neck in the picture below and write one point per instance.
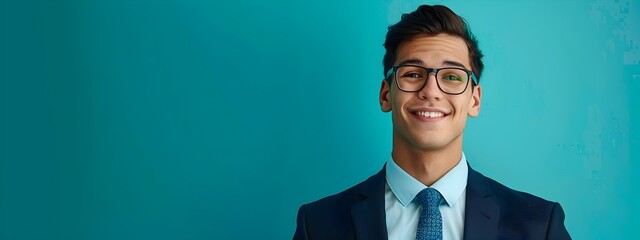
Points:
(427, 165)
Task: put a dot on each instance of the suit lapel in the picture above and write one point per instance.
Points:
(482, 212)
(368, 211)
(481, 215)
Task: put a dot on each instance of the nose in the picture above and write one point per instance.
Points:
(430, 91)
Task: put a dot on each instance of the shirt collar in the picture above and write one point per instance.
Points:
(405, 187)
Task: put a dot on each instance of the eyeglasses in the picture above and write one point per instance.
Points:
(450, 80)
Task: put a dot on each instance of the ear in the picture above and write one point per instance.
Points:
(474, 102)
(385, 97)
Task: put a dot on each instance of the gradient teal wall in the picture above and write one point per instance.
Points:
(202, 120)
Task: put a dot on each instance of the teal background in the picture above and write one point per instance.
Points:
(217, 120)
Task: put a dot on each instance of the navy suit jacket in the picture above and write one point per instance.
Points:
(493, 211)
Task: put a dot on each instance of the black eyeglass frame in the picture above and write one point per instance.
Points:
(394, 71)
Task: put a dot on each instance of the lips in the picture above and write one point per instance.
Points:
(429, 114)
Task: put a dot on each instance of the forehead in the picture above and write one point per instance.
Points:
(434, 51)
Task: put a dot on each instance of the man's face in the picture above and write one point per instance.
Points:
(429, 119)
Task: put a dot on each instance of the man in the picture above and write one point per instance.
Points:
(432, 69)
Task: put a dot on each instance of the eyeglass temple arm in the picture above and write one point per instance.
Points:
(389, 73)
(473, 77)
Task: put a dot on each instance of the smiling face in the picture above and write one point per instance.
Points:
(430, 120)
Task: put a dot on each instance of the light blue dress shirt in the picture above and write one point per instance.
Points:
(403, 213)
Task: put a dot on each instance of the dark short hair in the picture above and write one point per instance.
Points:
(431, 20)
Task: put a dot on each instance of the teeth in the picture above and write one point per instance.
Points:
(431, 114)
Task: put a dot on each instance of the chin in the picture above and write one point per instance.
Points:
(434, 141)
(430, 144)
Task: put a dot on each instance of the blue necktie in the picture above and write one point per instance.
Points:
(430, 224)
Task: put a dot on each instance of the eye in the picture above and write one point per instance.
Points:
(451, 77)
(412, 75)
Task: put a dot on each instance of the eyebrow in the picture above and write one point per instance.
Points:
(420, 62)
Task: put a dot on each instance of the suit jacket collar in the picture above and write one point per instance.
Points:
(367, 210)
(481, 212)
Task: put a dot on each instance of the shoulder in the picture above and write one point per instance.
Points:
(509, 196)
(338, 202)
(514, 201)
(526, 212)
(331, 217)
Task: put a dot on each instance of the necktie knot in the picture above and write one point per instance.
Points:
(429, 197)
